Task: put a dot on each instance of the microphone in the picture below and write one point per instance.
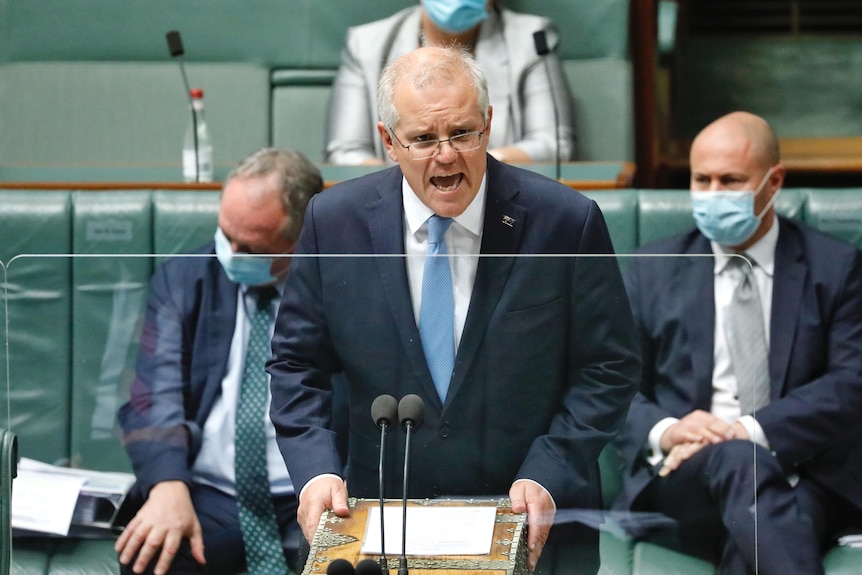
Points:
(384, 411)
(411, 413)
(340, 567)
(175, 47)
(370, 567)
(543, 49)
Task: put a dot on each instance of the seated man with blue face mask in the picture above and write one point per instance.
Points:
(213, 492)
(751, 392)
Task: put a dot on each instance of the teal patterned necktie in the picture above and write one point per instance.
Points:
(257, 519)
(437, 308)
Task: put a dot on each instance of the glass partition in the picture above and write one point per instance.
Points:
(72, 334)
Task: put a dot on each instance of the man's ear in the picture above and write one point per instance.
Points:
(386, 138)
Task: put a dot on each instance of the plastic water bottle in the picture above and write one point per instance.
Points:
(204, 172)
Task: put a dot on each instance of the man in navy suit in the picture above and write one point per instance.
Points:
(178, 426)
(546, 357)
(694, 451)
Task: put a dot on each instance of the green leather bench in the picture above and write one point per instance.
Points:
(76, 266)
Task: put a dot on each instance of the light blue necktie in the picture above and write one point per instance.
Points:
(257, 519)
(437, 312)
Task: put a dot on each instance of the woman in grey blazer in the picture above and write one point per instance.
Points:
(523, 96)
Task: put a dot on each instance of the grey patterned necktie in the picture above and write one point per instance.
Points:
(257, 519)
(746, 339)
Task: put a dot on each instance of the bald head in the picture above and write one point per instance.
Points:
(744, 132)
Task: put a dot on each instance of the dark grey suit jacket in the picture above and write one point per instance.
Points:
(187, 332)
(813, 421)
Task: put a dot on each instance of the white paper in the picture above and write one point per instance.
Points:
(853, 540)
(45, 497)
(441, 530)
(44, 501)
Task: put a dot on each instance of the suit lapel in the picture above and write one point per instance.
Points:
(387, 238)
(786, 305)
(221, 321)
(502, 231)
(696, 288)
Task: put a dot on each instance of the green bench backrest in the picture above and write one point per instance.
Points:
(74, 321)
(92, 119)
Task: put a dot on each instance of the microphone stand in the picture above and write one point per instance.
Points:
(384, 564)
(384, 410)
(175, 46)
(411, 413)
(402, 564)
(542, 49)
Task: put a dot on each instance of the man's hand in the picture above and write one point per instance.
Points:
(683, 451)
(318, 495)
(697, 427)
(161, 524)
(677, 455)
(529, 497)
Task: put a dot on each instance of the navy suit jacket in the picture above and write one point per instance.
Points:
(814, 419)
(546, 365)
(187, 332)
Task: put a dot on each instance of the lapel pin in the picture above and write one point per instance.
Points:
(509, 221)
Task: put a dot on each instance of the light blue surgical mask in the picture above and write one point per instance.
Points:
(727, 216)
(242, 268)
(456, 16)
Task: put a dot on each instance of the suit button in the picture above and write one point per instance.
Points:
(445, 431)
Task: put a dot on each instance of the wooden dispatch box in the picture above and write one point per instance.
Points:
(341, 538)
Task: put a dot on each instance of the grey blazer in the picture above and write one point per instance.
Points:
(520, 93)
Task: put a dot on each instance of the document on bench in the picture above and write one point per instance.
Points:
(56, 500)
(432, 530)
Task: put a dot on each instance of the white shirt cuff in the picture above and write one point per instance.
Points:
(312, 480)
(654, 439)
(755, 432)
(551, 497)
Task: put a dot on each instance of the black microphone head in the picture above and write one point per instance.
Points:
(340, 567)
(541, 42)
(368, 567)
(411, 409)
(175, 43)
(384, 410)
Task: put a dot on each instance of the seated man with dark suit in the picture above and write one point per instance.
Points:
(196, 426)
(747, 432)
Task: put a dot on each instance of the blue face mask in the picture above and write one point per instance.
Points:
(242, 268)
(727, 217)
(456, 16)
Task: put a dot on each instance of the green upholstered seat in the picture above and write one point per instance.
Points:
(837, 212)
(39, 310)
(73, 325)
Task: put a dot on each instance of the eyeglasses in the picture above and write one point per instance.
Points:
(429, 148)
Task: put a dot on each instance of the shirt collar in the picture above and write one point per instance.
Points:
(416, 213)
(762, 252)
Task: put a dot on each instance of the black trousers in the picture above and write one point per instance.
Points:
(223, 546)
(712, 497)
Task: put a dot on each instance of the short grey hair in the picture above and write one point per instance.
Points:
(299, 181)
(422, 69)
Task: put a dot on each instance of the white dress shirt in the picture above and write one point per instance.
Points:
(214, 465)
(725, 398)
(463, 242)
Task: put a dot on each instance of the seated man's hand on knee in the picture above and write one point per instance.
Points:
(165, 519)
